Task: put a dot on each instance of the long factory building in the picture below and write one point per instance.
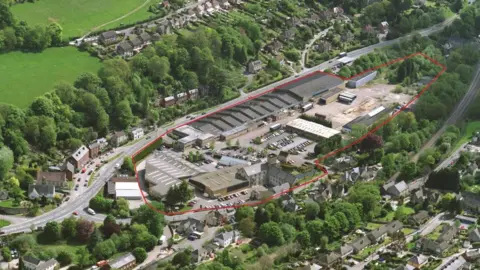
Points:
(244, 117)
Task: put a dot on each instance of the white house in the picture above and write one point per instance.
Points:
(227, 238)
(31, 263)
(137, 133)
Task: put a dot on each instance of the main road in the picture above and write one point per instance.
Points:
(107, 171)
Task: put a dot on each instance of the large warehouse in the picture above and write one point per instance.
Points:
(361, 80)
(310, 129)
(191, 137)
(234, 121)
(330, 96)
(367, 119)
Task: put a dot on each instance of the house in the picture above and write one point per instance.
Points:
(365, 173)
(93, 150)
(145, 38)
(417, 197)
(254, 66)
(419, 218)
(327, 259)
(168, 101)
(209, 8)
(400, 189)
(215, 5)
(191, 15)
(470, 202)
(69, 169)
(456, 263)
(289, 34)
(102, 142)
(418, 261)
(283, 156)
(118, 138)
(199, 255)
(379, 234)
(227, 238)
(466, 219)
(107, 38)
(137, 133)
(193, 94)
(181, 97)
(474, 236)
(314, 18)
(200, 10)
(274, 47)
(58, 179)
(344, 250)
(41, 190)
(135, 42)
(442, 243)
(80, 157)
(215, 218)
(290, 205)
(164, 28)
(383, 27)
(156, 37)
(190, 225)
(32, 263)
(360, 243)
(472, 255)
(325, 15)
(125, 49)
(338, 11)
(124, 262)
(322, 193)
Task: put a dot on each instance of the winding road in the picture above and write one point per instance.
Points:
(106, 172)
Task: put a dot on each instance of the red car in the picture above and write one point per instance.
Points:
(75, 213)
(84, 170)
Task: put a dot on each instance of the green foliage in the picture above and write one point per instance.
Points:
(6, 161)
(6, 254)
(271, 234)
(179, 194)
(64, 258)
(151, 218)
(52, 231)
(127, 166)
(140, 254)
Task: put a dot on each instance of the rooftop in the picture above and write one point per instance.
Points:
(313, 128)
(229, 161)
(332, 92)
(220, 179)
(312, 84)
(80, 153)
(122, 261)
(366, 119)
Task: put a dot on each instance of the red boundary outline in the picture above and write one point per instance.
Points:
(325, 172)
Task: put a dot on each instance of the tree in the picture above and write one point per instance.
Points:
(247, 227)
(95, 238)
(23, 243)
(88, 81)
(151, 218)
(244, 212)
(401, 213)
(289, 232)
(140, 254)
(6, 254)
(104, 250)
(123, 115)
(409, 171)
(110, 226)
(311, 210)
(324, 242)
(303, 238)
(52, 231)
(84, 230)
(271, 234)
(368, 195)
(83, 257)
(182, 258)
(55, 32)
(6, 161)
(127, 166)
(64, 258)
(371, 142)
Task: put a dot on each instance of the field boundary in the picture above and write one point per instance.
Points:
(318, 161)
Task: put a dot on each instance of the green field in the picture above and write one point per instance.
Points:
(4, 223)
(78, 17)
(467, 133)
(28, 75)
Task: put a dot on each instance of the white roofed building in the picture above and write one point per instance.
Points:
(310, 129)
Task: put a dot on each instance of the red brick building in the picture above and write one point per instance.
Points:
(80, 157)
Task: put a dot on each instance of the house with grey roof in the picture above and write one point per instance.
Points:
(442, 243)
(398, 190)
(125, 49)
(80, 157)
(190, 225)
(289, 204)
(199, 255)
(58, 179)
(344, 250)
(254, 66)
(418, 196)
(418, 261)
(360, 243)
(164, 28)
(474, 236)
(327, 259)
(379, 234)
(107, 38)
(32, 263)
(470, 201)
(227, 238)
(289, 34)
(41, 190)
(419, 218)
(124, 262)
(118, 138)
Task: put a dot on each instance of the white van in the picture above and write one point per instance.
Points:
(91, 212)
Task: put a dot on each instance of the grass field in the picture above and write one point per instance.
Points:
(77, 17)
(4, 223)
(467, 133)
(28, 75)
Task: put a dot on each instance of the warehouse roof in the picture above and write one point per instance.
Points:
(366, 119)
(332, 92)
(220, 179)
(192, 134)
(313, 128)
(311, 84)
(363, 75)
(229, 161)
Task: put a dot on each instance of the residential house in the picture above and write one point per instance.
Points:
(191, 15)
(200, 10)
(135, 42)
(137, 133)
(190, 225)
(470, 220)
(417, 197)
(125, 49)
(472, 255)
(383, 27)
(209, 8)
(456, 263)
(364, 173)
(107, 38)
(80, 157)
(102, 142)
(470, 202)
(419, 218)
(289, 204)
(215, 218)
(164, 28)
(322, 193)
(69, 169)
(124, 262)
(193, 94)
(199, 255)
(474, 236)
(327, 259)
(400, 189)
(442, 243)
(360, 243)
(216, 5)
(168, 101)
(32, 263)
(227, 238)
(325, 15)
(283, 156)
(289, 34)
(274, 47)
(225, 4)
(145, 38)
(338, 11)
(156, 37)
(418, 261)
(344, 250)
(118, 138)
(93, 150)
(280, 189)
(181, 97)
(379, 234)
(58, 179)
(41, 190)
(254, 66)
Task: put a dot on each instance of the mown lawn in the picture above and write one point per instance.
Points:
(467, 133)
(78, 17)
(25, 76)
(4, 223)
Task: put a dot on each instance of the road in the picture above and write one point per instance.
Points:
(310, 44)
(107, 171)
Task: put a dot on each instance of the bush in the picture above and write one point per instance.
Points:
(140, 254)
(64, 258)
(7, 256)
